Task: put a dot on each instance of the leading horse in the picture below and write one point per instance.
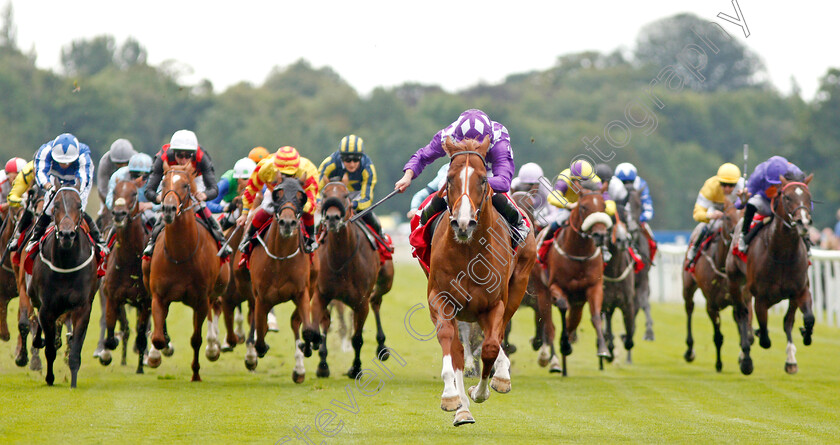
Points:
(184, 267)
(776, 269)
(64, 280)
(474, 275)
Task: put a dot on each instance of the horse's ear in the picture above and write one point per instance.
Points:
(784, 181)
(190, 170)
(485, 146)
(808, 179)
(166, 166)
(302, 180)
(449, 146)
(604, 186)
(346, 179)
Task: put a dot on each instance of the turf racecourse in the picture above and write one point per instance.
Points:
(660, 398)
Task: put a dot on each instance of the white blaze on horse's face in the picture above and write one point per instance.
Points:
(465, 214)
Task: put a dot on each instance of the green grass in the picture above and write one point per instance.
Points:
(660, 398)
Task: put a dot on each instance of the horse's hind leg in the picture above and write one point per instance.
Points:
(343, 329)
(464, 337)
(103, 326)
(606, 318)
(214, 349)
(125, 333)
(492, 323)
(790, 317)
(21, 357)
(595, 297)
(381, 349)
(689, 287)
(360, 313)
(47, 324)
(321, 315)
(299, 372)
(81, 318)
(714, 315)
(140, 343)
(4, 325)
(804, 303)
(261, 309)
(231, 338)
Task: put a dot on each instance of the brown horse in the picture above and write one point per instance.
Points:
(64, 280)
(349, 272)
(184, 267)
(476, 244)
(123, 280)
(710, 276)
(776, 270)
(282, 272)
(8, 286)
(575, 266)
(237, 292)
(619, 289)
(642, 248)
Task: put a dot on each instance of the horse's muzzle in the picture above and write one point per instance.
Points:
(287, 227)
(120, 217)
(66, 238)
(463, 234)
(333, 221)
(169, 212)
(600, 238)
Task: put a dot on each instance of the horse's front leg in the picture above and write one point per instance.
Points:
(595, 297)
(741, 313)
(159, 338)
(456, 352)
(689, 287)
(381, 350)
(492, 324)
(761, 308)
(143, 315)
(81, 318)
(714, 315)
(360, 314)
(199, 314)
(790, 317)
(805, 305)
(299, 372)
(110, 316)
(231, 337)
(46, 322)
(310, 333)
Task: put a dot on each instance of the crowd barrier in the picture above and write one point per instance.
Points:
(824, 274)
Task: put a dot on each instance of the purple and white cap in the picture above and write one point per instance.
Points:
(472, 124)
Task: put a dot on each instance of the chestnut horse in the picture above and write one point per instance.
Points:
(349, 272)
(476, 242)
(237, 292)
(123, 280)
(8, 286)
(184, 267)
(776, 270)
(282, 272)
(710, 276)
(619, 289)
(64, 280)
(575, 266)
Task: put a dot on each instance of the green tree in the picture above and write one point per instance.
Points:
(88, 57)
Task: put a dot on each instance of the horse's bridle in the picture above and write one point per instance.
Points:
(785, 213)
(465, 188)
(181, 201)
(76, 224)
(345, 209)
(584, 235)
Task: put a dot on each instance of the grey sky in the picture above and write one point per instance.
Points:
(373, 43)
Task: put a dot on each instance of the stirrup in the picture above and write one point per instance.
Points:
(310, 244)
(226, 251)
(149, 250)
(742, 244)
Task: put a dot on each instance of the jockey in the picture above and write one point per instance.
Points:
(286, 162)
(626, 173)
(231, 185)
(138, 170)
(528, 181)
(117, 157)
(604, 171)
(762, 186)
(182, 149)
(708, 209)
(433, 186)
(257, 154)
(7, 178)
(67, 161)
(22, 182)
(565, 195)
(351, 160)
(473, 124)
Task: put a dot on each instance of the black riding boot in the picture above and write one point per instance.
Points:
(243, 246)
(39, 230)
(519, 228)
(692, 252)
(216, 231)
(94, 233)
(437, 204)
(150, 248)
(749, 213)
(23, 224)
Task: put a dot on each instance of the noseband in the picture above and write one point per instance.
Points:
(181, 201)
(785, 213)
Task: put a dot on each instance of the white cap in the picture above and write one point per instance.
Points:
(183, 140)
(243, 168)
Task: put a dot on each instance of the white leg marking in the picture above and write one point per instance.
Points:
(448, 376)
(791, 354)
(502, 366)
(299, 368)
(459, 383)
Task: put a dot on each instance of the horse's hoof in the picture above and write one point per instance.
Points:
(477, 398)
(536, 343)
(509, 348)
(463, 418)
(154, 358)
(354, 371)
(450, 403)
(382, 353)
(50, 379)
(169, 350)
(604, 353)
(648, 335)
(105, 358)
(689, 355)
(791, 368)
(298, 378)
(5, 336)
(38, 342)
(764, 342)
(500, 385)
(746, 366)
(21, 360)
(111, 343)
(306, 349)
(212, 352)
(806, 336)
(261, 349)
(226, 347)
(554, 365)
(323, 371)
(566, 349)
(718, 366)
(195, 378)
(35, 364)
(610, 357)
(544, 357)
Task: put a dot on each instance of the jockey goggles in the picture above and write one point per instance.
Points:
(183, 154)
(351, 158)
(135, 175)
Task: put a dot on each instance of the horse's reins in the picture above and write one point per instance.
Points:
(465, 187)
(784, 208)
(49, 263)
(288, 204)
(582, 234)
(181, 210)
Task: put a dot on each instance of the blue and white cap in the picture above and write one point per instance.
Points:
(65, 148)
(140, 162)
(625, 172)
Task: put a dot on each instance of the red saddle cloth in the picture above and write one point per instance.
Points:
(420, 238)
(201, 223)
(29, 259)
(385, 247)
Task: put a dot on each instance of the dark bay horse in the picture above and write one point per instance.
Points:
(633, 205)
(619, 289)
(776, 270)
(349, 272)
(184, 267)
(710, 276)
(123, 280)
(281, 271)
(575, 266)
(64, 280)
(474, 275)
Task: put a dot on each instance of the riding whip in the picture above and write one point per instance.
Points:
(369, 209)
(746, 152)
(227, 241)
